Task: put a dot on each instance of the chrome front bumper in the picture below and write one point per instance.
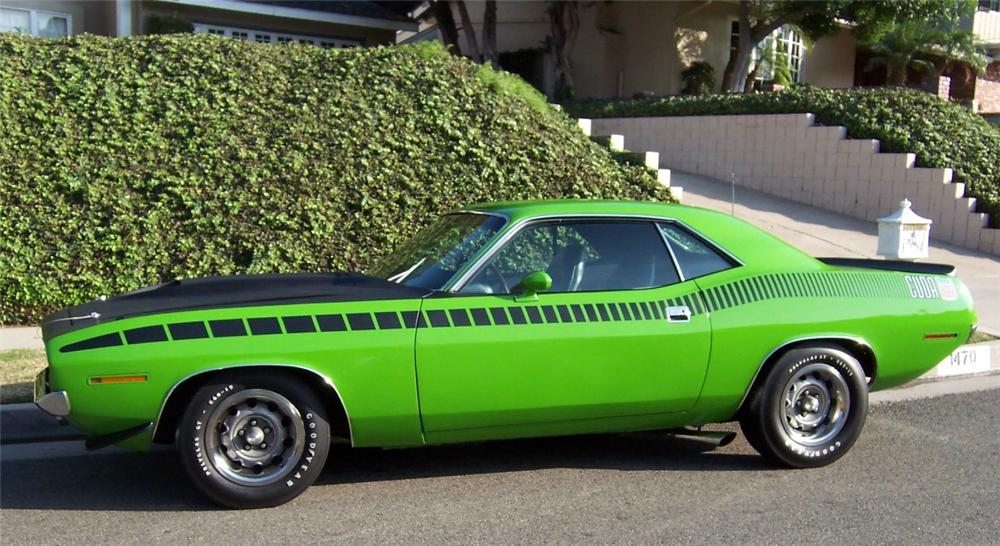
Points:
(53, 403)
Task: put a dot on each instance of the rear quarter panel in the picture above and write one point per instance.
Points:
(756, 312)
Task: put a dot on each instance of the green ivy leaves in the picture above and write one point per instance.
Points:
(128, 162)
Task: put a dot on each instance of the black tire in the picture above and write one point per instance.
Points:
(227, 454)
(809, 410)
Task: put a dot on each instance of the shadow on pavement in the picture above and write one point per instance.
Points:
(156, 482)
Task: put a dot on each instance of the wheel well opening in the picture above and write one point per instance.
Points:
(173, 408)
(861, 351)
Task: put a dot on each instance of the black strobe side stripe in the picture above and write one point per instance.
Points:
(264, 326)
(189, 330)
(146, 334)
(113, 339)
(331, 323)
(388, 320)
(227, 328)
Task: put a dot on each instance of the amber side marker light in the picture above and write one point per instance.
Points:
(940, 336)
(118, 379)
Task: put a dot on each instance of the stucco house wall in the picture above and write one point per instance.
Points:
(622, 48)
(628, 48)
(830, 61)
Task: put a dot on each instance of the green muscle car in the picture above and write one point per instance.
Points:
(504, 320)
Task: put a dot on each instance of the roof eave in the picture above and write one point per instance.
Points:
(297, 13)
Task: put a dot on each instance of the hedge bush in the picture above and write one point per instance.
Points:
(940, 133)
(128, 162)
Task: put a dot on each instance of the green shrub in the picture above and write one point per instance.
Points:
(167, 24)
(127, 162)
(940, 133)
(699, 79)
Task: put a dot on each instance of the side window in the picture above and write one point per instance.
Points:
(586, 255)
(694, 257)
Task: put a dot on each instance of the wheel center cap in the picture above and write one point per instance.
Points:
(254, 436)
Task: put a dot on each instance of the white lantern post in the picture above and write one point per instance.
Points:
(904, 235)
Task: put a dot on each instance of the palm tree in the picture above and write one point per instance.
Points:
(914, 43)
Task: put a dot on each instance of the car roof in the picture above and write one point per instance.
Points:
(748, 243)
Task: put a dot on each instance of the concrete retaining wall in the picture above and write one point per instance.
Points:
(789, 156)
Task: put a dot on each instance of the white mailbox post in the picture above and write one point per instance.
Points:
(903, 235)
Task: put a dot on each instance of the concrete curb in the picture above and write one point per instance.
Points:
(25, 423)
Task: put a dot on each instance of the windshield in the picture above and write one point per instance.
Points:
(440, 250)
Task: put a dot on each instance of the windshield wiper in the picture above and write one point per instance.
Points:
(402, 275)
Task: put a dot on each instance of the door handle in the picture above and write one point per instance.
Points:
(679, 313)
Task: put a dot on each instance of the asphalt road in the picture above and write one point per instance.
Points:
(924, 471)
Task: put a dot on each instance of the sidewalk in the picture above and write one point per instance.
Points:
(823, 233)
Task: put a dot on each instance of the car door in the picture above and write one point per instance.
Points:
(617, 335)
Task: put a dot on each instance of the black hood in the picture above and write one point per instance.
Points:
(232, 291)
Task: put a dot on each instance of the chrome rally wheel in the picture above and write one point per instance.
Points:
(258, 437)
(252, 439)
(816, 405)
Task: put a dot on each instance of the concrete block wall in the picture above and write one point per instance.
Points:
(789, 156)
(651, 160)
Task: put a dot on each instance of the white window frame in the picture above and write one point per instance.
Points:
(791, 39)
(33, 19)
(788, 37)
(274, 37)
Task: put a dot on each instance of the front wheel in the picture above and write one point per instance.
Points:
(253, 440)
(810, 408)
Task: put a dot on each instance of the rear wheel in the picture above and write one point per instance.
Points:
(810, 408)
(253, 440)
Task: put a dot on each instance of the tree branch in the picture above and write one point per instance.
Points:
(762, 29)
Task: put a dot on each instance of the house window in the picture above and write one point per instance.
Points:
(789, 42)
(784, 39)
(264, 37)
(36, 23)
(734, 37)
(989, 5)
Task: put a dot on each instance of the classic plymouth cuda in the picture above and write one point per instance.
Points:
(504, 320)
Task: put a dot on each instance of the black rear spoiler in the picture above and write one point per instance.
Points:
(891, 265)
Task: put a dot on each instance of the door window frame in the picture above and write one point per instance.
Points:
(464, 276)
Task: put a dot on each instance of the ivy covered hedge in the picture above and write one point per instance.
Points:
(127, 162)
(940, 133)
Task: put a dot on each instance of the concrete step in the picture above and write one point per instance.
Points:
(663, 177)
(650, 160)
(614, 142)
